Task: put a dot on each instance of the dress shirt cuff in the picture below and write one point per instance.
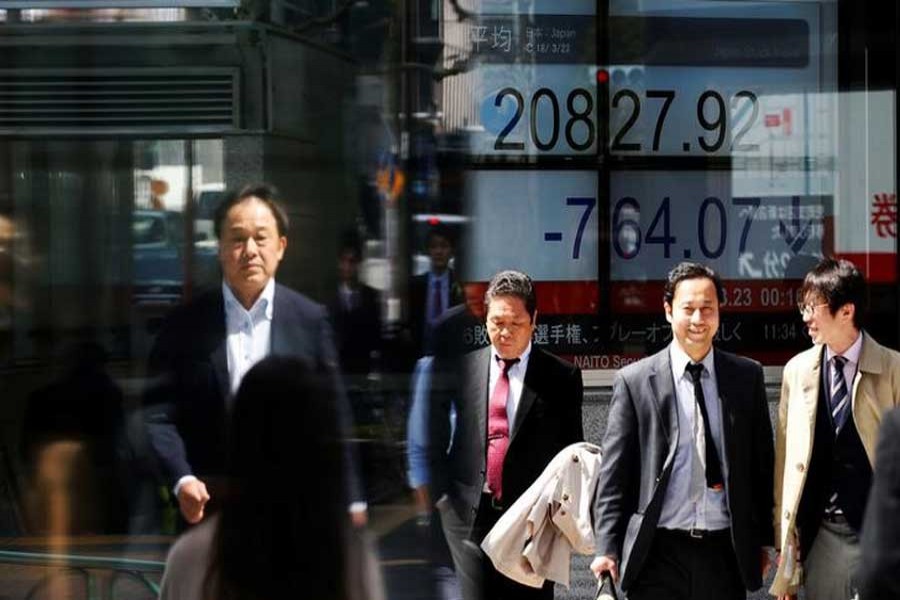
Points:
(611, 555)
(358, 507)
(181, 482)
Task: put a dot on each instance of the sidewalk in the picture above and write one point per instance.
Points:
(400, 544)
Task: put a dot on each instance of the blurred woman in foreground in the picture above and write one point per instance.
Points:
(282, 530)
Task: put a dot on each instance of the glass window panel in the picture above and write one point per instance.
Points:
(593, 145)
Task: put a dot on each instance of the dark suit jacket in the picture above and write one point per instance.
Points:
(185, 405)
(357, 331)
(548, 419)
(880, 540)
(638, 452)
(418, 297)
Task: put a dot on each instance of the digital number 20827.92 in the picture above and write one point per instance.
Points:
(579, 127)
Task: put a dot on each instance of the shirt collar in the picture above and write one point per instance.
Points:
(680, 360)
(265, 302)
(523, 358)
(445, 276)
(852, 353)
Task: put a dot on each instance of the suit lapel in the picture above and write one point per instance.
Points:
(869, 357)
(869, 362)
(280, 338)
(726, 383)
(528, 393)
(809, 384)
(289, 335)
(476, 384)
(219, 358)
(660, 379)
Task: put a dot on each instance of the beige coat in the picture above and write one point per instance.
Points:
(534, 539)
(876, 388)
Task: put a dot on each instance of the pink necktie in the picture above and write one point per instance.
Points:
(498, 429)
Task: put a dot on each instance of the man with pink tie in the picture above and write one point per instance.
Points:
(517, 406)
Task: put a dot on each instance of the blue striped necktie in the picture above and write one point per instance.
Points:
(840, 398)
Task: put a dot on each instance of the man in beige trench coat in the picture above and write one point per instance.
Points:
(832, 399)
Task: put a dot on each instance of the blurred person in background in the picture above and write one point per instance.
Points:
(295, 542)
(356, 314)
(72, 439)
(433, 292)
(7, 235)
(455, 333)
(16, 271)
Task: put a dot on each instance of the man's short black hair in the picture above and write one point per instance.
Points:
(512, 283)
(267, 194)
(691, 270)
(350, 241)
(438, 230)
(837, 282)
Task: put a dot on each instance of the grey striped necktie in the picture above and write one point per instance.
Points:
(840, 397)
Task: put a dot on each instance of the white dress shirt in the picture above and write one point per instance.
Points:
(249, 332)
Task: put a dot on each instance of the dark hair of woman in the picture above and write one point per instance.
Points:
(281, 524)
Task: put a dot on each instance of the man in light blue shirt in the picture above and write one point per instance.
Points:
(683, 504)
(680, 509)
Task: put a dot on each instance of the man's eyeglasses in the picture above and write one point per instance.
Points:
(807, 310)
